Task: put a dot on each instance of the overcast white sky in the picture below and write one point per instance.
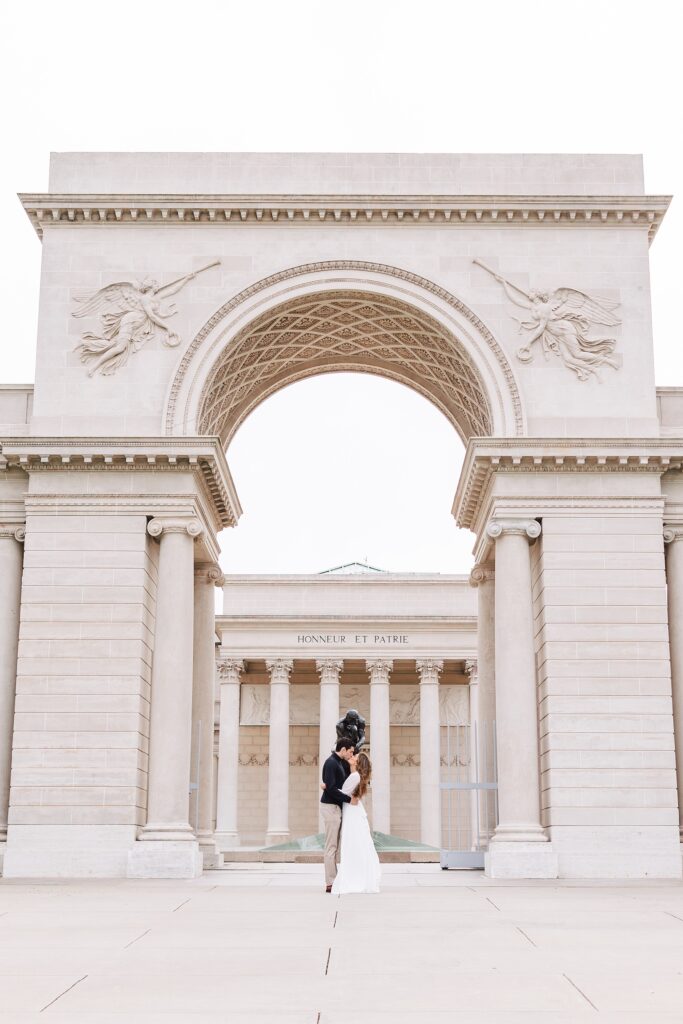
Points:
(338, 468)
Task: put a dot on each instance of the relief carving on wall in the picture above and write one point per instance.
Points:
(561, 320)
(130, 313)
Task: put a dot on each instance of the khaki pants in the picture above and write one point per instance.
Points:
(332, 816)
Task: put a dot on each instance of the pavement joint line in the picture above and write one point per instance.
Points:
(589, 1001)
(669, 914)
(181, 904)
(327, 965)
(336, 915)
(526, 936)
(492, 903)
(128, 944)
(53, 1001)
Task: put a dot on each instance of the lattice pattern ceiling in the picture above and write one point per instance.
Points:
(344, 331)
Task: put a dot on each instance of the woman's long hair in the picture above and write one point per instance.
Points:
(364, 769)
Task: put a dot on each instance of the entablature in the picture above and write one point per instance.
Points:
(624, 211)
(486, 457)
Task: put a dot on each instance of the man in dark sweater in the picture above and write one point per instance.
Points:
(335, 773)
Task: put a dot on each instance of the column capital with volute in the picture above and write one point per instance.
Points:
(10, 531)
(175, 524)
(280, 670)
(328, 669)
(429, 670)
(529, 528)
(209, 573)
(229, 670)
(379, 669)
(672, 532)
(482, 574)
(472, 670)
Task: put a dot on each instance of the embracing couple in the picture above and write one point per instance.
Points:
(351, 861)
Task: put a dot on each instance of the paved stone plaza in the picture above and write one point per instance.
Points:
(263, 945)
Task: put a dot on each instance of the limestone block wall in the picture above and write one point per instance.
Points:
(79, 762)
(606, 732)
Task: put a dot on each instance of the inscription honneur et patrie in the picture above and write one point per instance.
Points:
(351, 639)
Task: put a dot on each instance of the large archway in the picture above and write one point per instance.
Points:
(339, 316)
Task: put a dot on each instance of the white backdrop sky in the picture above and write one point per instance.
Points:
(340, 467)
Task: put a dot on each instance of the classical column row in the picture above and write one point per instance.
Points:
(329, 671)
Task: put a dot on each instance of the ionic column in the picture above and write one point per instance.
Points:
(519, 807)
(227, 835)
(380, 745)
(483, 578)
(171, 711)
(430, 752)
(206, 578)
(11, 560)
(278, 752)
(329, 670)
(673, 535)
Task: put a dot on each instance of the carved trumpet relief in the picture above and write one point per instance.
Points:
(130, 313)
(561, 320)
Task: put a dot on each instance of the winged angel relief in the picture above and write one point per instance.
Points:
(561, 320)
(130, 314)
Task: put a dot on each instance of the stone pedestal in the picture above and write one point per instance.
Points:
(165, 860)
(520, 860)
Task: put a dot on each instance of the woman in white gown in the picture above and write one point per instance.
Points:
(359, 869)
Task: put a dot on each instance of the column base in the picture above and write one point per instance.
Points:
(226, 840)
(167, 832)
(520, 860)
(275, 838)
(164, 860)
(208, 849)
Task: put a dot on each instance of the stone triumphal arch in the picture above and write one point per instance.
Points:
(180, 291)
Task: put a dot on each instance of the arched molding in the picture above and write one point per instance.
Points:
(228, 327)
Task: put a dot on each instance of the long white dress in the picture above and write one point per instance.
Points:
(359, 869)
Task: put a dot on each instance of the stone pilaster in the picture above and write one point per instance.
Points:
(207, 577)
(229, 672)
(380, 745)
(11, 560)
(167, 846)
(278, 752)
(519, 846)
(673, 536)
(429, 671)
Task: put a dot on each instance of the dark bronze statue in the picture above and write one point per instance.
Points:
(352, 727)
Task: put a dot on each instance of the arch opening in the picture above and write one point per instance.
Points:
(344, 330)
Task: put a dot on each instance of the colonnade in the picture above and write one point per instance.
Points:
(181, 716)
(329, 671)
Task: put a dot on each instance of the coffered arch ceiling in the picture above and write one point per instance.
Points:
(335, 330)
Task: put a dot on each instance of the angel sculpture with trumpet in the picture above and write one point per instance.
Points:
(561, 320)
(130, 315)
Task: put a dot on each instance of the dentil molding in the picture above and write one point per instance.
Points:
(641, 212)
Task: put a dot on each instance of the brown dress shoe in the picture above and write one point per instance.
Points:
(328, 888)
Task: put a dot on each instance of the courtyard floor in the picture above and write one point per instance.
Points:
(262, 944)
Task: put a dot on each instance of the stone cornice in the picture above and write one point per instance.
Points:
(574, 211)
(486, 456)
(202, 455)
(452, 623)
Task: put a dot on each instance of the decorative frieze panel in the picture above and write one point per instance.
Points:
(304, 704)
